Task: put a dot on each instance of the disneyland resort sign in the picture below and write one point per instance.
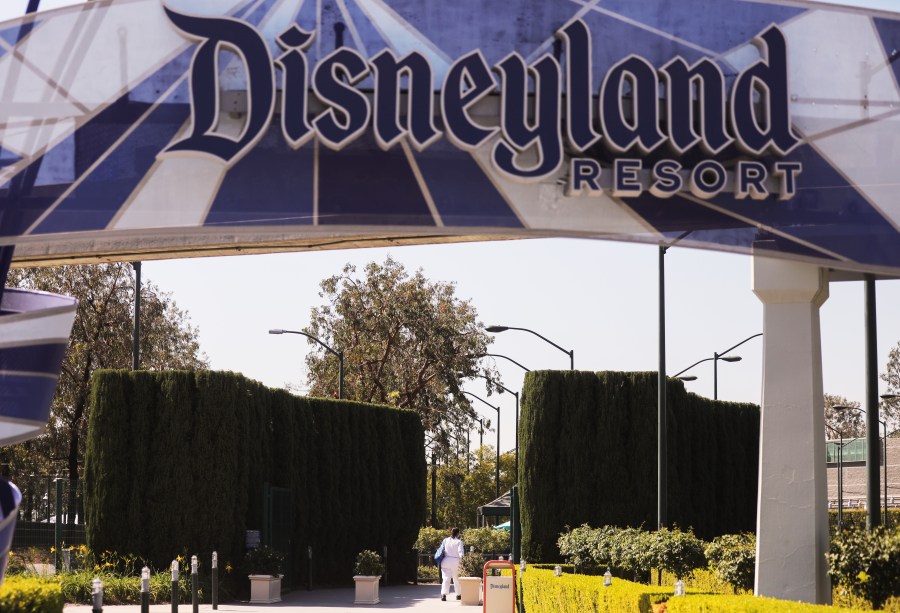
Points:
(699, 110)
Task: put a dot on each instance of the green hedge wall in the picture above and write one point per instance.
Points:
(587, 448)
(176, 462)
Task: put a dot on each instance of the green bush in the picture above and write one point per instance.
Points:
(471, 565)
(264, 561)
(428, 573)
(429, 539)
(631, 551)
(855, 519)
(589, 439)
(542, 592)
(369, 564)
(30, 595)
(718, 603)
(733, 558)
(676, 552)
(486, 540)
(120, 589)
(867, 563)
(181, 461)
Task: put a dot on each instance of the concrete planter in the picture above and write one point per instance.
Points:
(470, 590)
(366, 589)
(265, 589)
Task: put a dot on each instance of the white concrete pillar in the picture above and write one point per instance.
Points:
(792, 513)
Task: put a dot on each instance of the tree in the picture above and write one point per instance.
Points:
(852, 424)
(407, 342)
(462, 488)
(101, 338)
(890, 408)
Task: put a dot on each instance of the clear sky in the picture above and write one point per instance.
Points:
(598, 298)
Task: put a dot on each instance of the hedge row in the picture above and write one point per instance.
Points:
(588, 442)
(855, 519)
(176, 463)
(705, 603)
(30, 595)
(542, 592)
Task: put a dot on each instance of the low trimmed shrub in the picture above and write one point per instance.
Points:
(542, 592)
(428, 573)
(722, 603)
(867, 563)
(31, 595)
(486, 540)
(429, 539)
(703, 580)
(733, 558)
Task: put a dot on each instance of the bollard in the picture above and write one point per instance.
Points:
(97, 595)
(195, 600)
(215, 581)
(145, 590)
(174, 586)
(309, 578)
(384, 578)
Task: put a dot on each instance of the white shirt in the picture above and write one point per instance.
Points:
(453, 548)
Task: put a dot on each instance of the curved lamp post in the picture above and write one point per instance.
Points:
(516, 396)
(883, 423)
(497, 408)
(339, 354)
(568, 352)
(840, 478)
(505, 357)
(715, 360)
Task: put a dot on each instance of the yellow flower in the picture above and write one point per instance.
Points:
(96, 567)
(228, 568)
(53, 550)
(82, 548)
(862, 576)
(180, 558)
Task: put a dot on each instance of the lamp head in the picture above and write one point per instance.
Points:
(841, 408)
(731, 358)
(889, 396)
(688, 378)
(276, 331)
(495, 329)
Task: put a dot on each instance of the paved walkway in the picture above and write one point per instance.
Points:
(418, 598)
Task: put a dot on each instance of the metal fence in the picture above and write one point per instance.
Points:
(51, 513)
(428, 572)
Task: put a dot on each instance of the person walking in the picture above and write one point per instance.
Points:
(453, 551)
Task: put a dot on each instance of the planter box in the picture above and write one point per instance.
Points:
(470, 590)
(366, 589)
(265, 589)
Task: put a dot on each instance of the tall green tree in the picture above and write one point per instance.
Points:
(851, 424)
(101, 338)
(890, 408)
(465, 482)
(407, 342)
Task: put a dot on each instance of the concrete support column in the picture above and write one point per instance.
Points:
(792, 514)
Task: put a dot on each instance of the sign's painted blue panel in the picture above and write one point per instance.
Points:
(99, 160)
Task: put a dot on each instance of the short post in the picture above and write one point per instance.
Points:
(384, 578)
(57, 528)
(174, 586)
(145, 590)
(215, 581)
(309, 568)
(416, 575)
(195, 579)
(97, 595)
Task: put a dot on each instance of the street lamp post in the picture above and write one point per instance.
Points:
(715, 360)
(496, 408)
(516, 396)
(505, 357)
(840, 479)
(568, 352)
(883, 446)
(339, 354)
(886, 397)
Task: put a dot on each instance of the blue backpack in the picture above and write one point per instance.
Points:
(439, 555)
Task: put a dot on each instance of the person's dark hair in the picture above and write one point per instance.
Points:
(454, 532)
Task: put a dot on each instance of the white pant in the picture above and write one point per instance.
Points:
(449, 570)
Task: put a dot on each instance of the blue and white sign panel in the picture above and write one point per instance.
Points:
(151, 128)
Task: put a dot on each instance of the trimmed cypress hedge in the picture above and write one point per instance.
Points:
(587, 448)
(176, 462)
